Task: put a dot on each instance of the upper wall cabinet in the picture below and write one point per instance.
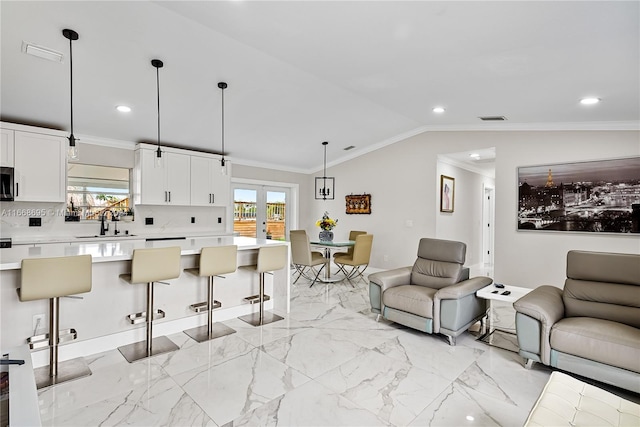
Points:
(168, 184)
(6, 147)
(38, 157)
(209, 186)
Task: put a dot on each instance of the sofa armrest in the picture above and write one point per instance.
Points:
(545, 305)
(464, 288)
(391, 278)
(456, 292)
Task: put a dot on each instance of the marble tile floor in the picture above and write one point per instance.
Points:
(329, 363)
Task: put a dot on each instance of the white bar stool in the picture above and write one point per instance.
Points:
(149, 266)
(52, 278)
(270, 258)
(214, 261)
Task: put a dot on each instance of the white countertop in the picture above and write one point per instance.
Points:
(89, 237)
(119, 250)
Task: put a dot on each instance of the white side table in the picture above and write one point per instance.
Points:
(492, 293)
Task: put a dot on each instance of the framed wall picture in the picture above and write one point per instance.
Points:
(358, 204)
(601, 196)
(447, 193)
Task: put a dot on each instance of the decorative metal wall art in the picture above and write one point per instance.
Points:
(358, 204)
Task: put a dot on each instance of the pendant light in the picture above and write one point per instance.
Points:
(71, 35)
(158, 64)
(325, 185)
(223, 169)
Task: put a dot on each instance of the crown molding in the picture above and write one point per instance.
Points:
(465, 166)
(492, 127)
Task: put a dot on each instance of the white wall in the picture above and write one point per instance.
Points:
(403, 181)
(464, 224)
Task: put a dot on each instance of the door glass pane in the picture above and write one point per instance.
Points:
(276, 215)
(244, 212)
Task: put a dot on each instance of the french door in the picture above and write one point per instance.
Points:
(261, 211)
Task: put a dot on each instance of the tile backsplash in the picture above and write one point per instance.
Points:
(14, 221)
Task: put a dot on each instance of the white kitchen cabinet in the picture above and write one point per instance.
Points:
(165, 185)
(40, 167)
(209, 187)
(6, 147)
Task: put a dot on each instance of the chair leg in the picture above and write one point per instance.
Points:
(300, 271)
(151, 346)
(317, 275)
(56, 372)
(262, 317)
(341, 268)
(211, 330)
(149, 320)
(54, 331)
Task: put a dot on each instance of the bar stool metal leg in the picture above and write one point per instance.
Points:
(56, 372)
(210, 330)
(151, 346)
(261, 317)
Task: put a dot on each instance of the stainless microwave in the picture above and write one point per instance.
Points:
(6, 184)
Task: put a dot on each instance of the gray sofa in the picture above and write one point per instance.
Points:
(592, 327)
(435, 295)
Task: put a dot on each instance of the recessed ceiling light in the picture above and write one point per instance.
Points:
(470, 418)
(123, 109)
(474, 155)
(589, 101)
(438, 110)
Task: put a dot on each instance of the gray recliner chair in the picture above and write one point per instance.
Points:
(434, 296)
(592, 326)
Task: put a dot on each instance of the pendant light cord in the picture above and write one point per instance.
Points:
(222, 127)
(158, 92)
(71, 139)
(324, 172)
(222, 86)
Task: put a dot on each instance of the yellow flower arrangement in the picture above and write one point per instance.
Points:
(326, 223)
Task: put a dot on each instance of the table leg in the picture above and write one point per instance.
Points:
(327, 269)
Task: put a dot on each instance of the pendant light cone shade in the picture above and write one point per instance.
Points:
(223, 169)
(158, 64)
(325, 185)
(72, 152)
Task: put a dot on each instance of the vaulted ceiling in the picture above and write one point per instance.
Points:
(361, 73)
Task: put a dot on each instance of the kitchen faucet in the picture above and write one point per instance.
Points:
(115, 218)
(104, 227)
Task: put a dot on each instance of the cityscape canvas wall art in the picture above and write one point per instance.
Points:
(596, 196)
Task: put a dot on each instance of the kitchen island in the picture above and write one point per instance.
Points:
(100, 317)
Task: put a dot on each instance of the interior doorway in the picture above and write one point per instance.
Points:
(488, 220)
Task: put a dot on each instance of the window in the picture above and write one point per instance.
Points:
(96, 190)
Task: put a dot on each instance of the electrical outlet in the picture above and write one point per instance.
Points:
(148, 221)
(38, 323)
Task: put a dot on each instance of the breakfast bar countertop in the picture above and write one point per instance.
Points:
(122, 250)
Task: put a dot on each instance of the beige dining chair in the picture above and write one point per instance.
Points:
(352, 236)
(303, 259)
(359, 261)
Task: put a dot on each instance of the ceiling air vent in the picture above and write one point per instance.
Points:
(493, 118)
(351, 147)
